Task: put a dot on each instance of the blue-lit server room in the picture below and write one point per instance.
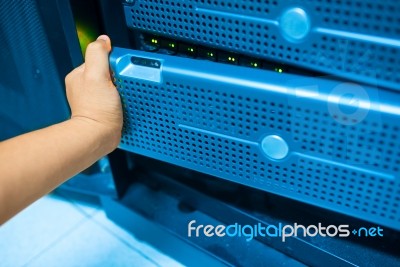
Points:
(199, 133)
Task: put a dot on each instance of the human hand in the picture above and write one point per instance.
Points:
(93, 97)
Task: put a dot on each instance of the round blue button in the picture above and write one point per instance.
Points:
(295, 24)
(275, 147)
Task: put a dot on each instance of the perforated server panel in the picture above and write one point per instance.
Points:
(305, 138)
(359, 40)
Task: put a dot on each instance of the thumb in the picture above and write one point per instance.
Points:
(96, 59)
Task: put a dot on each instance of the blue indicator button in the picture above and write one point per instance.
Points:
(275, 147)
(295, 24)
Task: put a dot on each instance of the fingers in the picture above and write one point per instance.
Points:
(74, 73)
(96, 59)
(80, 68)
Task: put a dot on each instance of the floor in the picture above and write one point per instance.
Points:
(60, 231)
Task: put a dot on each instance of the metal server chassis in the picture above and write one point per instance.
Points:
(299, 137)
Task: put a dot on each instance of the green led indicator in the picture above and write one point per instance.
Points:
(280, 70)
(210, 54)
(231, 59)
(172, 45)
(190, 49)
(154, 41)
(254, 64)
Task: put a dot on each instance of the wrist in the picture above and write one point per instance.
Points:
(105, 136)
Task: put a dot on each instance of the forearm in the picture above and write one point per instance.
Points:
(33, 164)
